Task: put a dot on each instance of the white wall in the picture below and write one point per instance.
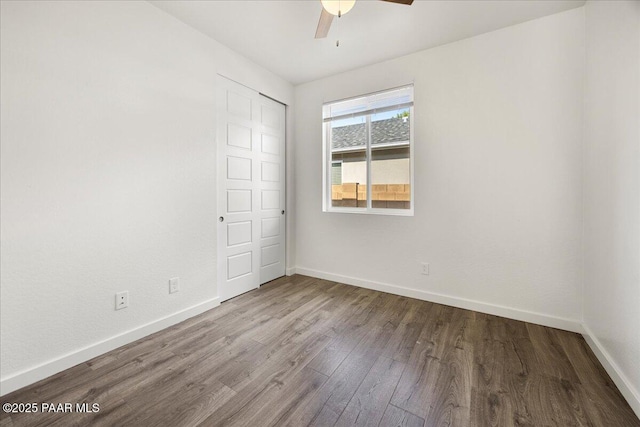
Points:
(108, 175)
(612, 190)
(498, 129)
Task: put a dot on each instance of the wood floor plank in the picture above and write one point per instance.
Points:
(52, 388)
(293, 395)
(565, 404)
(368, 404)
(396, 417)
(5, 420)
(595, 383)
(451, 400)
(106, 390)
(415, 389)
(380, 331)
(503, 378)
(331, 321)
(519, 363)
(552, 360)
(192, 380)
(275, 291)
(334, 395)
(189, 407)
(348, 336)
(491, 404)
(105, 417)
(301, 351)
(296, 313)
(272, 377)
(404, 338)
(243, 370)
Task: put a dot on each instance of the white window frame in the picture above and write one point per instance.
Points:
(327, 162)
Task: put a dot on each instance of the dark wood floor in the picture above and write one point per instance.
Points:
(302, 351)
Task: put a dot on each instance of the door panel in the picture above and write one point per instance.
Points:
(270, 145)
(239, 136)
(270, 227)
(239, 233)
(251, 191)
(270, 116)
(272, 185)
(239, 265)
(270, 200)
(238, 196)
(239, 201)
(270, 172)
(238, 168)
(269, 255)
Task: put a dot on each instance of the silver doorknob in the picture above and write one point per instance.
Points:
(221, 219)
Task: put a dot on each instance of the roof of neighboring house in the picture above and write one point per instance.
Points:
(388, 131)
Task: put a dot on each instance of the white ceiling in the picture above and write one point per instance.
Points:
(279, 35)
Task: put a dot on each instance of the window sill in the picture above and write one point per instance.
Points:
(373, 211)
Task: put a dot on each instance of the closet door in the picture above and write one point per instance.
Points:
(272, 189)
(251, 192)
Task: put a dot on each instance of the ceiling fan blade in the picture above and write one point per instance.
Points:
(324, 24)
(407, 2)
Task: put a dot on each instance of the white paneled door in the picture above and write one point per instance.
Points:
(251, 189)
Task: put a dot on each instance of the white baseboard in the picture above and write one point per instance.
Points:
(37, 373)
(483, 307)
(291, 271)
(619, 378)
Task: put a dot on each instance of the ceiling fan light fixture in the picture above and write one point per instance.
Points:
(338, 7)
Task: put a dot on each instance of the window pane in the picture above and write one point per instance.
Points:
(349, 161)
(390, 160)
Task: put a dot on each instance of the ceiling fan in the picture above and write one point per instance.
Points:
(331, 8)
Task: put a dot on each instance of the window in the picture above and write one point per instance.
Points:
(368, 146)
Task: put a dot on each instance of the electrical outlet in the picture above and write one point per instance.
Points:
(425, 268)
(174, 285)
(122, 300)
